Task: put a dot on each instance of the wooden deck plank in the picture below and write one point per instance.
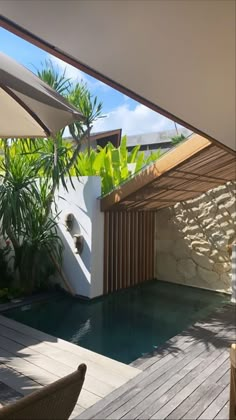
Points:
(186, 378)
(181, 341)
(59, 369)
(196, 396)
(8, 394)
(189, 389)
(215, 407)
(206, 394)
(163, 378)
(65, 356)
(223, 413)
(160, 398)
(154, 393)
(30, 359)
(14, 379)
(169, 369)
(126, 371)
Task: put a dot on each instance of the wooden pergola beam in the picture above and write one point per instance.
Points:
(170, 160)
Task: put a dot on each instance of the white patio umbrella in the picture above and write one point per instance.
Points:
(28, 106)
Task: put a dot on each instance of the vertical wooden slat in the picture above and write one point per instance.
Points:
(151, 248)
(124, 249)
(140, 228)
(128, 250)
(144, 246)
(113, 245)
(136, 247)
(116, 230)
(154, 244)
(150, 241)
(132, 250)
(119, 254)
(111, 234)
(139, 247)
(150, 245)
(106, 253)
(129, 239)
(152, 236)
(147, 245)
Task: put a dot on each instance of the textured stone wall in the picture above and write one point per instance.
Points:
(192, 240)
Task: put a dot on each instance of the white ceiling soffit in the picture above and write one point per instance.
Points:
(177, 56)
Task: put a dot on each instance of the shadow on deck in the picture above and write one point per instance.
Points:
(187, 378)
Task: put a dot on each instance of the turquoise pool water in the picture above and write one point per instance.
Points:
(124, 325)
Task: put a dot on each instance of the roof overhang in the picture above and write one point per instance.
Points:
(190, 169)
(177, 56)
(106, 134)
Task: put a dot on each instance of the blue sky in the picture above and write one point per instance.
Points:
(121, 111)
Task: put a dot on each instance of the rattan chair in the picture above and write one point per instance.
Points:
(55, 401)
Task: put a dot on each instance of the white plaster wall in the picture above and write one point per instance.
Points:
(192, 239)
(84, 272)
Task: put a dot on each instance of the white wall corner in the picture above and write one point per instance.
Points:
(84, 272)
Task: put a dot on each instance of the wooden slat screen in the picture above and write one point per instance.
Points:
(128, 248)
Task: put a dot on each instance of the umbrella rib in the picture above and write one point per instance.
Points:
(26, 108)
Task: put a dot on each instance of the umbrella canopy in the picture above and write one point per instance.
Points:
(29, 107)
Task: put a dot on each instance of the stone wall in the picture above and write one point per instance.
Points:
(192, 240)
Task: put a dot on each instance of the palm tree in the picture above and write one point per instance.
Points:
(30, 172)
(51, 75)
(89, 107)
(79, 96)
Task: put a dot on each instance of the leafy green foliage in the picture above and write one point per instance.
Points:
(41, 245)
(90, 108)
(113, 165)
(54, 78)
(78, 95)
(177, 139)
(31, 171)
(25, 195)
(17, 193)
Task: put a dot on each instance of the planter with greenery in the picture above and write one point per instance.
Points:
(30, 173)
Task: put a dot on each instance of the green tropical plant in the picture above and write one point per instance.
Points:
(90, 108)
(177, 139)
(25, 216)
(40, 247)
(31, 171)
(113, 164)
(51, 75)
(18, 191)
(78, 95)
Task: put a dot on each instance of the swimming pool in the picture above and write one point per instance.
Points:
(124, 325)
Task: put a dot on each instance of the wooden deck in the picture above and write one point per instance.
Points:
(188, 378)
(30, 359)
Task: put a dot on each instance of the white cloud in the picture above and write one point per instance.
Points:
(133, 121)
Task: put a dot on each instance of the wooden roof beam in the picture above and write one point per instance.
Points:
(168, 161)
